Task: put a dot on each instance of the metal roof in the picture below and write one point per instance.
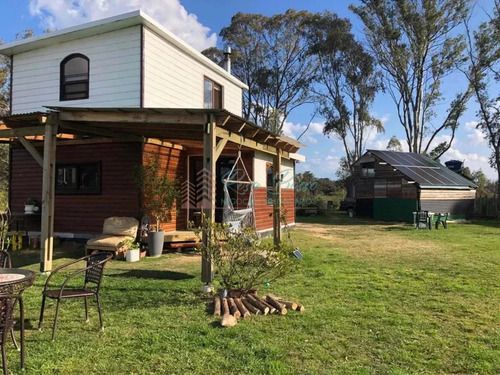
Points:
(425, 171)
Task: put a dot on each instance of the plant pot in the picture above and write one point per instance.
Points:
(29, 208)
(156, 241)
(143, 253)
(133, 255)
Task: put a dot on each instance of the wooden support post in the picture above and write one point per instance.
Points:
(277, 198)
(48, 193)
(209, 145)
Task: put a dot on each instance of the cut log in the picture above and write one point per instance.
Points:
(288, 304)
(273, 302)
(233, 308)
(263, 308)
(300, 308)
(272, 310)
(254, 310)
(243, 310)
(225, 307)
(216, 306)
(228, 321)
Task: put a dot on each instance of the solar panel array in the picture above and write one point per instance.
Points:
(422, 169)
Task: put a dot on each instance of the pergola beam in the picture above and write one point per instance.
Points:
(21, 132)
(87, 129)
(131, 117)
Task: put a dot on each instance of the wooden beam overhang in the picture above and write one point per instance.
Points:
(131, 117)
(87, 129)
(22, 132)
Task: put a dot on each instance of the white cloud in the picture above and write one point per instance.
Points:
(320, 166)
(474, 136)
(58, 14)
(471, 125)
(471, 160)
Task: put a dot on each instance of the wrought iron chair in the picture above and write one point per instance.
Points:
(91, 286)
(5, 261)
(7, 323)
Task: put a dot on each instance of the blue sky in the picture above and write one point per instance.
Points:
(199, 22)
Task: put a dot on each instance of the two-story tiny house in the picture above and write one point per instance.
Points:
(113, 93)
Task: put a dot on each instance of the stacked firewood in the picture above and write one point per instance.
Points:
(232, 309)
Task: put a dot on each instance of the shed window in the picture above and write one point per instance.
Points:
(78, 178)
(74, 77)
(368, 169)
(212, 95)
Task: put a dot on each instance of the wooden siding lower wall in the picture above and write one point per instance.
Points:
(458, 208)
(264, 212)
(173, 162)
(81, 213)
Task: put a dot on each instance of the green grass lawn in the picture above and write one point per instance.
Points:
(380, 298)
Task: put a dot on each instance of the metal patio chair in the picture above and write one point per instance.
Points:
(93, 271)
(5, 261)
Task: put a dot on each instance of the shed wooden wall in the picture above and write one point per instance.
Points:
(459, 203)
(83, 214)
(115, 66)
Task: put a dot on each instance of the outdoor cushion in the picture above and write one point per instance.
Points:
(116, 230)
(121, 226)
(103, 240)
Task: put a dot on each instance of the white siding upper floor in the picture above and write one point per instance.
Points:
(173, 79)
(115, 72)
(133, 62)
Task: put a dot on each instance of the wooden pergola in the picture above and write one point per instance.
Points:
(213, 129)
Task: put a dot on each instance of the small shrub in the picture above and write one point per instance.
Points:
(242, 260)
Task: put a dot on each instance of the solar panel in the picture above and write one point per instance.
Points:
(422, 169)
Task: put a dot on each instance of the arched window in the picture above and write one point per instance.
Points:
(74, 77)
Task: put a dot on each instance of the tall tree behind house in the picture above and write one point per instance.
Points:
(271, 55)
(346, 83)
(417, 46)
(483, 72)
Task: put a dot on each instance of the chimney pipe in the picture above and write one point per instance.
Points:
(227, 59)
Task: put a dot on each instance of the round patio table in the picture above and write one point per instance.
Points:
(15, 281)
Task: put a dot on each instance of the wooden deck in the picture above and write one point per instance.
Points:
(181, 236)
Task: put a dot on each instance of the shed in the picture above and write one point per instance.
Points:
(391, 185)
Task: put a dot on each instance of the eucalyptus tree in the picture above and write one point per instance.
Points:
(346, 83)
(394, 144)
(483, 74)
(417, 45)
(270, 54)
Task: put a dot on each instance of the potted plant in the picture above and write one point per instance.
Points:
(159, 195)
(242, 260)
(30, 206)
(133, 250)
